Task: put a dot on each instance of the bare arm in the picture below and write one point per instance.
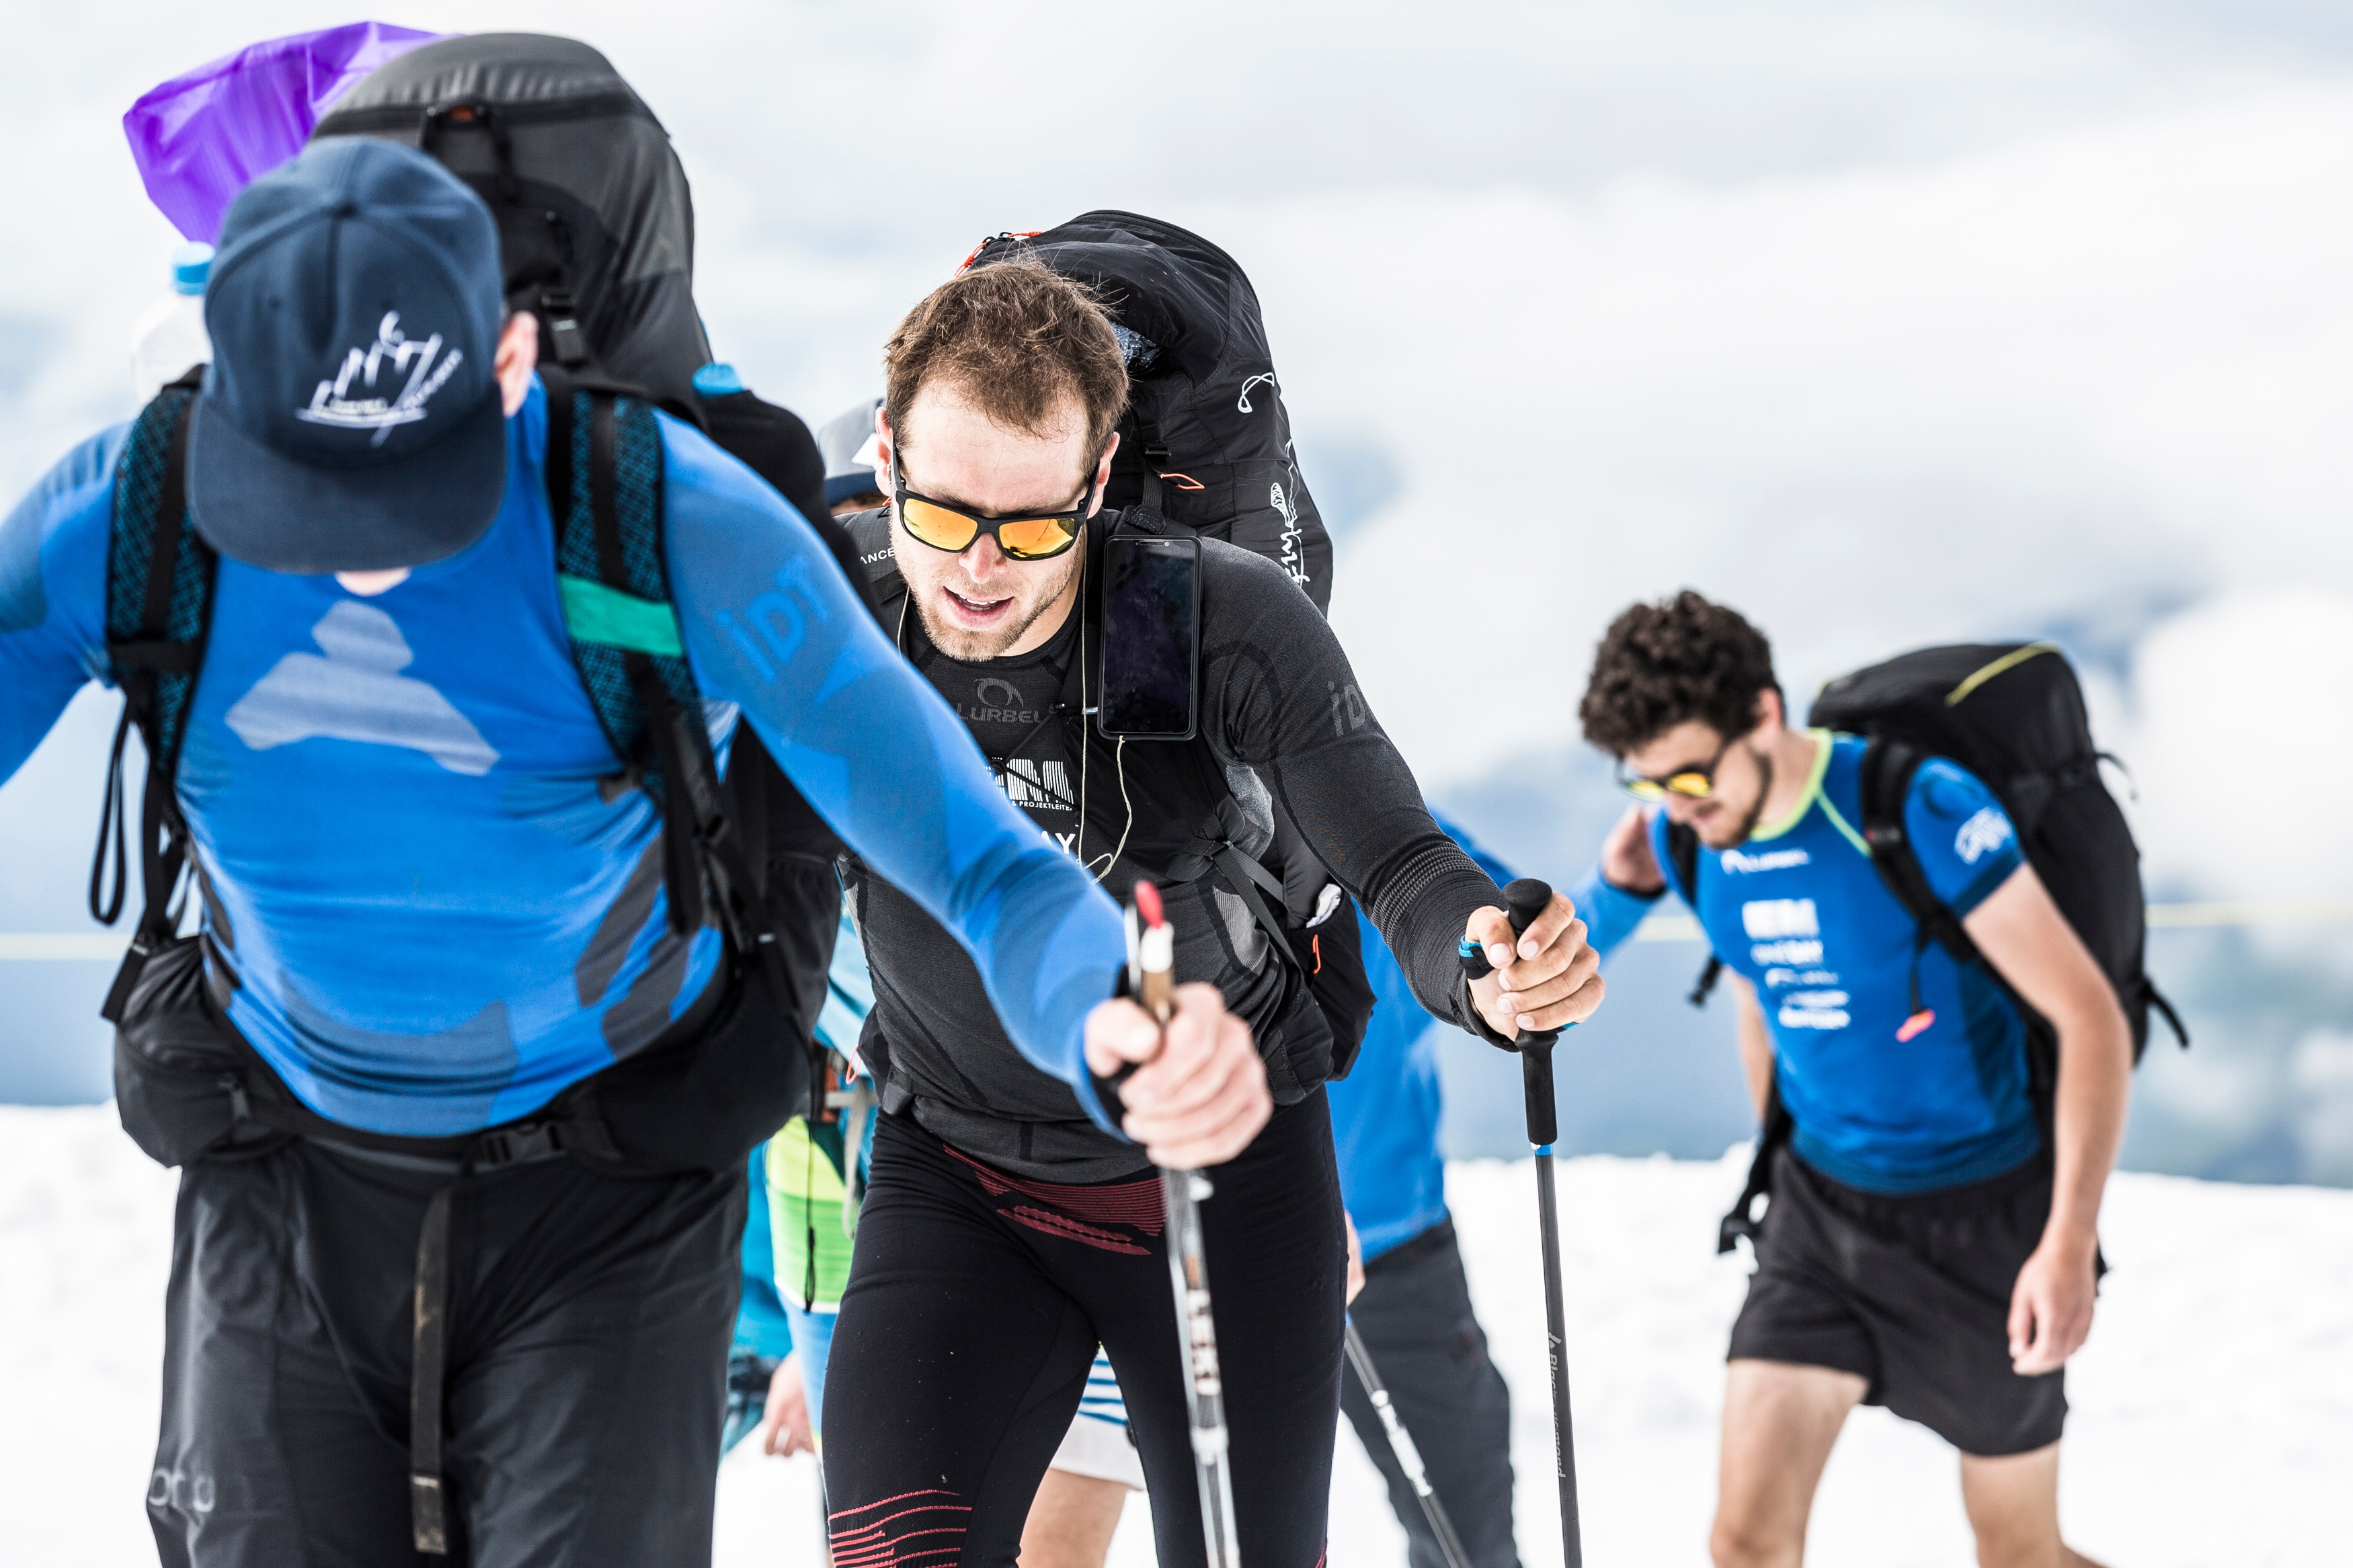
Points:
(2021, 933)
(1755, 1041)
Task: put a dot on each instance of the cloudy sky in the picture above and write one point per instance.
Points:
(1888, 322)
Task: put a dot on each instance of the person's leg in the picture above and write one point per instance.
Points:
(1780, 1421)
(284, 1424)
(2014, 1504)
(955, 1368)
(589, 1318)
(1079, 1503)
(813, 1344)
(1278, 1262)
(1415, 1316)
(1071, 1521)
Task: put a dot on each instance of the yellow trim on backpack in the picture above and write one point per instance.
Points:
(2008, 661)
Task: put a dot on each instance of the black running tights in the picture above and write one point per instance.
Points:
(975, 1303)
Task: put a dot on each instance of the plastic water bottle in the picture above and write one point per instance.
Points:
(171, 334)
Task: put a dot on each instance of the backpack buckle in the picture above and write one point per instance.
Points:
(516, 1145)
(564, 331)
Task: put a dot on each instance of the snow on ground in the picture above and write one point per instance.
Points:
(2212, 1407)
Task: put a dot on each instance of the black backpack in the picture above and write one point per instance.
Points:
(595, 221)
(2012, 714)
(1206, 441)
(537, 127)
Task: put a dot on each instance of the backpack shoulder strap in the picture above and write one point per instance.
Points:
(1682, 876)
(159, 583)
(870, 536)
(1682, 862)
(1888, 769)
(604, 471)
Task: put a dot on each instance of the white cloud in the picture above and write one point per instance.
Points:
(1874, 410)
(1889, 322)
(2241, 748)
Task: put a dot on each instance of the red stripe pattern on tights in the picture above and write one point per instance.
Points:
(925, 1529)
(1112, 1217)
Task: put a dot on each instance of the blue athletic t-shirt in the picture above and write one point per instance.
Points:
(1801, 913)
(434, 917)
(1386, 1112)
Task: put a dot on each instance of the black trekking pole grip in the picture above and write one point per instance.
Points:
(1525, 901)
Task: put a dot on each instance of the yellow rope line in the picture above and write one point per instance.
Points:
(2161, 917)
(71, 947)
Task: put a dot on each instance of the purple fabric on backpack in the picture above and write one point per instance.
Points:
(203, 136)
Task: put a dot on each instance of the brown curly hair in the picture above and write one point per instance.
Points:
(1681, 659)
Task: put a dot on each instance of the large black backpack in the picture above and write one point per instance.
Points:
(595, 224)
(597, 239)
(1206, 441)
(595, 221)
(2013, 715)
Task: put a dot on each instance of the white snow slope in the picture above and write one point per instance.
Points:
(2211, 1407)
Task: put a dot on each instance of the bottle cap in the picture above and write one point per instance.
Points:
(717, 380)
(191, 264)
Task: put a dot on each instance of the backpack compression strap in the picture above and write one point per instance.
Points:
(604, 469)
(159, 582)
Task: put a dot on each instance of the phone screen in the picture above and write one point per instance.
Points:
(1152, 625)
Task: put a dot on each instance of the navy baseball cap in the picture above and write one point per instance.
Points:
(349, 421)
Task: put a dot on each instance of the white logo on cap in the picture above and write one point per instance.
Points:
(334, 405)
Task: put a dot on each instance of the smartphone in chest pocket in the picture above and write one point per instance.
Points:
(1151, 638)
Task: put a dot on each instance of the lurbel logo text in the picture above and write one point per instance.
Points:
(1738, 860)
(338, 401)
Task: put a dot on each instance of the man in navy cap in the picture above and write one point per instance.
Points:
(434, 909)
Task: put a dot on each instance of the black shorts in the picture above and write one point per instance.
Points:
(1911, 1294)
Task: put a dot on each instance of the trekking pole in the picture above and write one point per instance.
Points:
(1409, 1457)
(1525, 900)
(1151, 956)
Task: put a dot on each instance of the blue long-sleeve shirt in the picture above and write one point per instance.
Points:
(1386, 1112)
(434, 920)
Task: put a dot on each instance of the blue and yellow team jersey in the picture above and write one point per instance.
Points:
(1883, 1100)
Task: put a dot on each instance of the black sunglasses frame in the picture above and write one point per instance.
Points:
(901, 495)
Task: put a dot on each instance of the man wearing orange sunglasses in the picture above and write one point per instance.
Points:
(1004, 1233)
(1931, 1244)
